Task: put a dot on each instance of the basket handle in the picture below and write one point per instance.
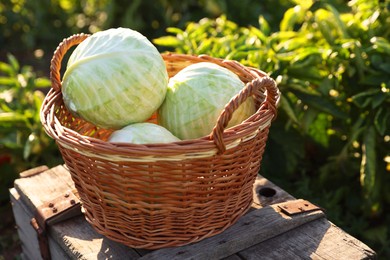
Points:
(258, 87)
(59, 53)
(266, 93)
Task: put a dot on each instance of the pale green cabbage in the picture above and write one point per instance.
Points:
(143, 133)
(114, 78)
(195, 98)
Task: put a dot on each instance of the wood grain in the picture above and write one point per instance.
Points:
(253, 228)
(263, 233)
(319, 239)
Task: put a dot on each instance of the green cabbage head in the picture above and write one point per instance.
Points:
(143, 133)
(115, 78)
(195, 98)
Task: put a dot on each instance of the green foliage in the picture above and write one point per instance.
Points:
(38, 23)
(331, 59)
(42, 24)
(23, 142)
(330, 142)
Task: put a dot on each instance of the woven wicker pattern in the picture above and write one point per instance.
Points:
(160, 195)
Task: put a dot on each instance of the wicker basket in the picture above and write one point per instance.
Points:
(161, 195)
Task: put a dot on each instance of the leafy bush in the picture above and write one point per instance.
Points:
(39, 25)
(330, 142)
(23, 142)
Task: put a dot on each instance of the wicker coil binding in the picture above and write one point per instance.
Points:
(161, 195)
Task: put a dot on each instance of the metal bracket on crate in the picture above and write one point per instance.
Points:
(51, 212)
(295, 207)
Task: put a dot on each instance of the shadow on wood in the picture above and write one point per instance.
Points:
(265, 232)
(267, 193)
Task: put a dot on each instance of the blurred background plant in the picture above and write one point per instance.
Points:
(23, 142)
(330, 143)
(331, 140)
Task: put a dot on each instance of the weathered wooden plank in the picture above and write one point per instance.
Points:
(318, 239)
(264, 231)
(81, 241)
(26, 233)
(233, 257)
(253, 228)
(57, 252)
(33, 171)
(348, 245)
(75, 236)
(267, 193)
(37, 189)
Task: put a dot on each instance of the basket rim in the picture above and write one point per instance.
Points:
(192, 148)
(220, 139)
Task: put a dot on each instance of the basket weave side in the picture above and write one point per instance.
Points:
(160, 195)
(160, 204)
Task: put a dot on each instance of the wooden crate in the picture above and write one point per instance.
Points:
(270, 230)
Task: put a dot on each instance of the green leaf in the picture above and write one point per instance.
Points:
(278, 37)
(325, 30)
(321, 103)
(308, 118)
(168, 41)
(38, 100)
(8, 81)
(259, 34)
(175, 30)
(381, 120)
(13, 62)
(205, 46)
(300, 86)
(311, 73)
(286, 106)
(339, 23)
(307, 58)
(290, 18)
(365, 98)
(4, 107)
(359, 61)
(305, 4)
(6, 69)
(354, 133)
(296, 44)
(12, 117)
(42, 82)
(378, 99)
(31, 145)
(368, 162)
(381, 44)
(318, 129)
(306, 51)
(264, 26)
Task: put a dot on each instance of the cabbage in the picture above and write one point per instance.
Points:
(195, 98)
(114, 78)
(143, 133)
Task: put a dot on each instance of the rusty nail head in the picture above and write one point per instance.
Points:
(66, 195)
(51, 205)
(72, 202)
(54, 209)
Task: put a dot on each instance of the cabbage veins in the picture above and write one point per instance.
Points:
(195, 98)
(114, 78)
